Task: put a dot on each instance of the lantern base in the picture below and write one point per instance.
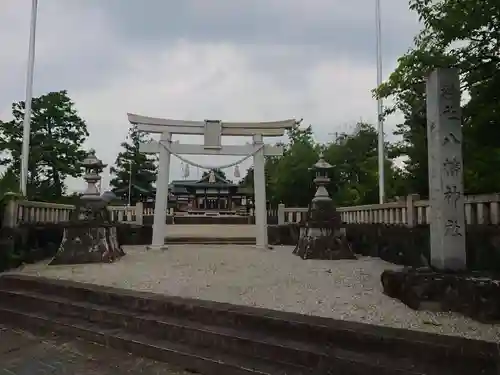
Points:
(322, 237)
(318, 243)
(88, 243)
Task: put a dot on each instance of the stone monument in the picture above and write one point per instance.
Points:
(446, 284)
(90, 236)
(446, 186)
(321, 237)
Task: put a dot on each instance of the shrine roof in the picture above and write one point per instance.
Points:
(204, 182)
(134, 187)
(181, 186)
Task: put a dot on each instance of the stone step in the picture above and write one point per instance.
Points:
(171, 329)
(198, 360)
(220, 220)
(449, 354)
(211, 240)
(293, 355)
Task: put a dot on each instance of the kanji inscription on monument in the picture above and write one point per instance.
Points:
(444, 133)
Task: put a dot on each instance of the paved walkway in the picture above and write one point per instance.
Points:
(24, 354)
(210, 230)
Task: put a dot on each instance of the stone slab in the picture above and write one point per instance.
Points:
(210, 230)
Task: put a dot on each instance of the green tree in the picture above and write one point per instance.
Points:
(289, 179)
(134, 167)
(463, 34)
(269, 170)
(413, 147)
(247, 179)
(288, 175)
(9, 182)
(57, 137)
(354, 175)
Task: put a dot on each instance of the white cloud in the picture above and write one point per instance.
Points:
(197, 82)
(78, 50)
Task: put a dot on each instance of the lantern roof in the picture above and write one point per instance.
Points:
(322, 163)
(92, 161)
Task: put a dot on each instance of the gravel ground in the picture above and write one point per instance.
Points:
(245, 275)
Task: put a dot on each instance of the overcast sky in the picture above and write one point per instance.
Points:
(242, 60)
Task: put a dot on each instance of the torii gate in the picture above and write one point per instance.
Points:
(212, 130)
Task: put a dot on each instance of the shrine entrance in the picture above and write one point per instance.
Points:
(212, 130)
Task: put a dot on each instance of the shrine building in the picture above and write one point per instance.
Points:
(211, 193)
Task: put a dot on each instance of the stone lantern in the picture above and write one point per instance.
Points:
(321, 236)
(93, 168)
(321, 169)
(90, 236)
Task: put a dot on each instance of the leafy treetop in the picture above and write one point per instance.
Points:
(56, 145)
(135, 165)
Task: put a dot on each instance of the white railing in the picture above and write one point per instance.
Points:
(291, 214)
(39, 212)
(28, 212)
(149, 211)
(479, 209)
(127, 214)
(410, 211)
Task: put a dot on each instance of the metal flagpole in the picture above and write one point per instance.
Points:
(380, 122)
(130, 183)
(29, 96)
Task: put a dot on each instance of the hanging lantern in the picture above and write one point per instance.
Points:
(211, 177)
(237, 171)
(186, 170)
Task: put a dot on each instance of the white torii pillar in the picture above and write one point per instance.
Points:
(212, 131)
(161, 198)
(259, 186)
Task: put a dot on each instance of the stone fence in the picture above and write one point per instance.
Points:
(409, 211)
(28, 212)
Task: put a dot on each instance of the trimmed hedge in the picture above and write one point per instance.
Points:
(395, 244)
(27, 244)
(32, 243)
(406, 246)
(411, 246)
